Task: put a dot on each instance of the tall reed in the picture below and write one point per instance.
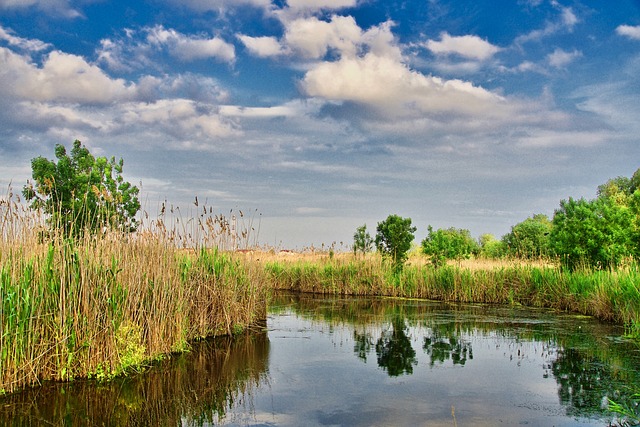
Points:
(102, 305)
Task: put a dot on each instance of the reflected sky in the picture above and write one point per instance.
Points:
(365, 362)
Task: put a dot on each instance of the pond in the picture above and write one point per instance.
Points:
(323, 361)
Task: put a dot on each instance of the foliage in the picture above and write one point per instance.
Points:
(81, 192)
(530, 238)
(451, 243)
(362, 240)
(597, 233)
(630, 411)
(490, 247)
(393, 239)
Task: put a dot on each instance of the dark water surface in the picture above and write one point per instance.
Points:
(367, 362)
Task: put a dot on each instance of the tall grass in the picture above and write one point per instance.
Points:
(612, 296)
(102, 305)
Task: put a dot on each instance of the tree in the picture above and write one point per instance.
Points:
(451, 243)
(529, 238)
(490, 247)
(597, 233)
(362, 240)
(393, 239)
(82, 193)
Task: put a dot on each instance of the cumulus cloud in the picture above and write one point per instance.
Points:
(263, 46)
(560, 58)
(472, 47)
(30, 45)
(190, 48)
(60, 8)
(140, 49)
(629, 31)
(313, 38)
(62, 77)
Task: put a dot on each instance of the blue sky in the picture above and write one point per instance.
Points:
(326, 115)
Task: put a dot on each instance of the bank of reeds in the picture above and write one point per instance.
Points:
(102, 305)
(612, 296)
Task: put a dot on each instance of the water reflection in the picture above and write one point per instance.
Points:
(195, 388)
(366, 361)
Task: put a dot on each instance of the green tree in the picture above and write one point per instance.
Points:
(599, 233)
(362, 240)
(529, 238)
(82, 193)
(490, 247)
(451, 243)
(393, 239)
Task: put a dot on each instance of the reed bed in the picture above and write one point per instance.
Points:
(612, 296)
(103, 305)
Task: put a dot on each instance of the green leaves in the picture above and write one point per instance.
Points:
(393, 239)
(451, 243)
(82, 193)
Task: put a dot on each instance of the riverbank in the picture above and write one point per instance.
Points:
(612, 296)
(99, 308)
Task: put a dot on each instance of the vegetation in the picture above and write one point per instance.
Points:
(101, 307)
(362, 240)
(393, 239)
(529, 239)
(451, 243)
(81, 192)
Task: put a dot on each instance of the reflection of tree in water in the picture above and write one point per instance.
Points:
(363, 343)
(395, 354)
(443, 345)
(585, 383)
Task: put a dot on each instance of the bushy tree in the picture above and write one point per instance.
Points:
(450, 243)
(597, 233)
(529, 238)
(490, 247)
(362, 240)
(393, 239)
(82, 193)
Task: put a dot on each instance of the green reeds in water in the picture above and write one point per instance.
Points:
(608, 295)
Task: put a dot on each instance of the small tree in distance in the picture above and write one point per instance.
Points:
(82, 193)
(362, 240)
(393, 239)
(451, 243)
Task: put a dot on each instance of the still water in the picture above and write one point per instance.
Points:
(367, 362)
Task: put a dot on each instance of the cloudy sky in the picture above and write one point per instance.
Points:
(326, 115)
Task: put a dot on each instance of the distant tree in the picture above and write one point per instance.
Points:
(82, 193)
(490, 247)
(362, 240)
(450, 243)
(393, 239)
(529, 238)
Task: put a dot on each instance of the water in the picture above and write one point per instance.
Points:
(367, 362)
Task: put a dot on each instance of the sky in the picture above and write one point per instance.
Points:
(321, 116)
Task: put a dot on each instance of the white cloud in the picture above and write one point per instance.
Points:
(263, 46)
(31, 45)
(629, 31)
(220, 6)
(567, 22)
(389, 86)
(472, 47)
(312, 38)
(320, 4)
(53, 7)
(63, 77)
(192, 48)
(560, 58)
